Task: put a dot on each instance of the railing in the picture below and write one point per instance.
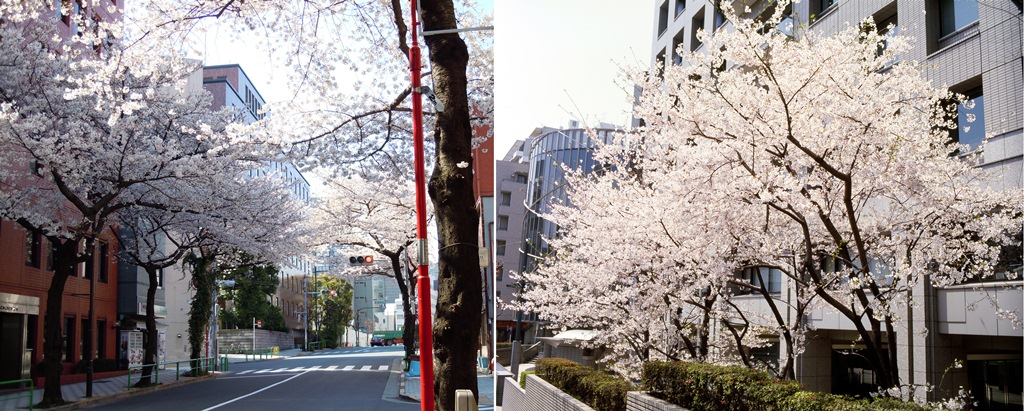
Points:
(30, 394)
(206, 363)
(317, 345)
(261, 353)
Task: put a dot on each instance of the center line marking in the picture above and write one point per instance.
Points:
(255, 392)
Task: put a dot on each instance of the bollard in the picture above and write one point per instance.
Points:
(465, 401)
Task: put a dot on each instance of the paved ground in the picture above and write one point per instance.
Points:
(321, 374)
(118, 387)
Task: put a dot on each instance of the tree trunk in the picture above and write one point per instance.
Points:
(199, 314)
(152, 345)
(457, 315)
(53, 342)
(409, 324)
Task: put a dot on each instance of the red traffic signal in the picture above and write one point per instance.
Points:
(259, 323)
(361, 260)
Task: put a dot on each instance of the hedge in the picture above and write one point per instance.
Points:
(706, 387)
(595, 388)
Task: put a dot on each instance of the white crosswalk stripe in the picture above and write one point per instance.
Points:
(318, 368)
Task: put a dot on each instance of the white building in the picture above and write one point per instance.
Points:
(974, 47)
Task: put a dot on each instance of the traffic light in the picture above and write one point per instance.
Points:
(259, 323)
(361, 260)
(329, 293)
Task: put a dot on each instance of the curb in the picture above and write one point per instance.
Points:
(401, 384)
(92, 402)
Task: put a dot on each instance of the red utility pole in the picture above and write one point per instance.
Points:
(422, 278)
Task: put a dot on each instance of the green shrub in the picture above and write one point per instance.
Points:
(706, 387)
(597, 389)
(522, 377)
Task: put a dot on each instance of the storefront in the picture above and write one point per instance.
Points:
(19, 319)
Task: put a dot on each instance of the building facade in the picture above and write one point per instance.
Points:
(551, 153)
(510, 176)
(26, 268)
(974, 48)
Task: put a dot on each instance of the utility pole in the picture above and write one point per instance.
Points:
(305, 306)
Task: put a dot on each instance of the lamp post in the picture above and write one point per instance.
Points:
(423, 278)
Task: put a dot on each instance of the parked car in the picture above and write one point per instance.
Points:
(377, 341)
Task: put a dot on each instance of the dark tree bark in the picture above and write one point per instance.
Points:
(409, 324)
(64, 261)
(151, 344)
(456, 327)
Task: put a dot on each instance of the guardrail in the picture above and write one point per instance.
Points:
(261, 353)
(30, 394)
(205, 363)
(317, 345)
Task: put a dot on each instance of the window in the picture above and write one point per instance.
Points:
(506, 198)
(85, 337)
(659, 67)
(104, 257)
(719, 18)
(680, 6)
(500, 247)
(956, 14)
(663, 18)
(772, 276)
(677, 42)
(970, 120)
(499, 272)
(33, 241)
(696, 26)
(996, 383)
(160, 278)
(69, 334)
(819, 7)
(50, 255)
(520, 178)
(90, 265)
(101, 338)
(503, 222)
(887, 23)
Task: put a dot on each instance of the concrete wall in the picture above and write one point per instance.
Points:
(640, 401)
(539, 395)
(236, 340)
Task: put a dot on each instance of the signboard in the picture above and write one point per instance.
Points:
(19, 304)
(161, 350)
(131, 348)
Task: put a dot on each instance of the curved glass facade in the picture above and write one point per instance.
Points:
(549, 153)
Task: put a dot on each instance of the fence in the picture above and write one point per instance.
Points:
(19, 384)
(201, 364)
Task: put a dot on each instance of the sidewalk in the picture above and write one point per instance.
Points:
(113, 388)
(409, 387)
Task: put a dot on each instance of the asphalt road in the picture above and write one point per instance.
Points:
(343, 379)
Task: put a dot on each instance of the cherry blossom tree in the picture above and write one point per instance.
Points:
(825, 158)
(366, 128)
(367, 215)
(252, 215)
(90, 128)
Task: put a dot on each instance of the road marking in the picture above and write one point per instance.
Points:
(313, 368)
(332, 368)
(383, 368)
(366, 368)
(348, 368)
(263, 371)
(297, 369)
(244, 372)
(254, 392)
